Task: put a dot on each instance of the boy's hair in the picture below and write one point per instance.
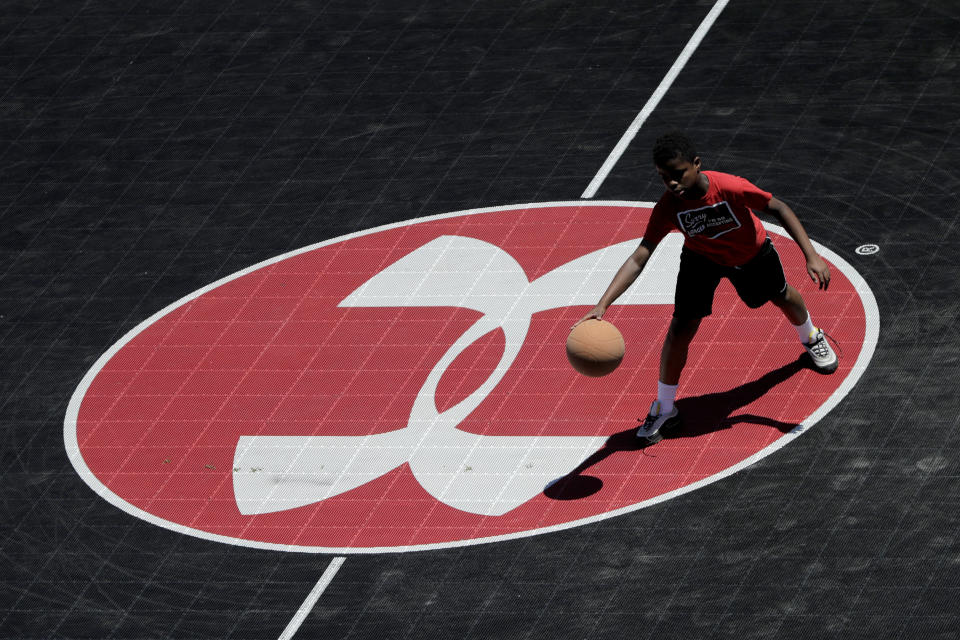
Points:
(671, 145)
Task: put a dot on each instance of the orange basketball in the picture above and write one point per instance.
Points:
(595, 347)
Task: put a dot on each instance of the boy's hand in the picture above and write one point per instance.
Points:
(597, 312)
(819, 272)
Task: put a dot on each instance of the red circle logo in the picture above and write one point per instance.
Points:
(407, 387)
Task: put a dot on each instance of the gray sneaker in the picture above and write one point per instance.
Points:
(823, 356)
(651, 431)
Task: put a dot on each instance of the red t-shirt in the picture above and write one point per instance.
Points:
(720, 225)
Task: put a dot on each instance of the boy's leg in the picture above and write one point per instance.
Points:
(697, 280)
(814, 340)
(792, 305)
(673, 356)
(762, 280)
(663, 414)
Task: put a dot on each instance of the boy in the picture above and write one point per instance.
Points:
(723, 239)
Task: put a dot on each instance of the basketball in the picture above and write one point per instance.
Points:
(595, 347)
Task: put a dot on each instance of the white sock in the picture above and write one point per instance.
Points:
(666, 395)
(804, 330)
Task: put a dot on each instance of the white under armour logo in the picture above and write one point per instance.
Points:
(504, 471)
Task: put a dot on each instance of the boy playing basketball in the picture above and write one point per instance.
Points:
(723, 238)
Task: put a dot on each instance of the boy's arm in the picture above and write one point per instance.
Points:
(817, 267)
(625, 276)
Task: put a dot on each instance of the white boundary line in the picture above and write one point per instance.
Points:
(872, 330)
(312, 598)
(654, 100)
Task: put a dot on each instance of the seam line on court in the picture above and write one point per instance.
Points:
(609, 163)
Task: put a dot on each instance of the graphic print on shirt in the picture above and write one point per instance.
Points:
(711, 222)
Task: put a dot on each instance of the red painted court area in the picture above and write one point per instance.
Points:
(271, 353)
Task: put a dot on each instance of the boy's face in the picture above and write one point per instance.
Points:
(681, 176)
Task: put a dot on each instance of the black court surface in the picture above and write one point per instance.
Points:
(293, 151)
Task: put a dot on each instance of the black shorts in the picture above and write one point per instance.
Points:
(757, 282)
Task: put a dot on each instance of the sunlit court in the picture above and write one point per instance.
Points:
(405, 320)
